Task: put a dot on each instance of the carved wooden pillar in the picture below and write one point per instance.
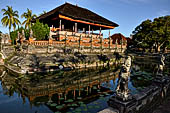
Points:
(101, 40)
(80, 42)
(89, 29)
(91, 43)
(63, 27)
(121, 44)
(60, 25)
(65, 41)
(109, 40)
(116, 45)
(76, 27)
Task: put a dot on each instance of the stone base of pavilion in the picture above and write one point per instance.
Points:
(145, 101)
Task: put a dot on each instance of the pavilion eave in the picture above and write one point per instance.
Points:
(85, 22)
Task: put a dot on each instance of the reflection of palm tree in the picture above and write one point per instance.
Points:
(29, 17)
(10, 18)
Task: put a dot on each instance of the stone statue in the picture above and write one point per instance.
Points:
(23, 34)
(122, 90)
(31, 33)
(161, 65)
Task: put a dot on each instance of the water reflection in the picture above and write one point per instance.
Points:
(73, 91)
(59, 91)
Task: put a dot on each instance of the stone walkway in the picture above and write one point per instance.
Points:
(164, 107)
(108, 110)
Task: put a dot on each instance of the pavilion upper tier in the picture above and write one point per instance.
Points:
(74, 18)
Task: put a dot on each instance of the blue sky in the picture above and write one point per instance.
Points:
(127, 13)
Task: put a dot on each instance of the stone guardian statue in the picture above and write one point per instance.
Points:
(122, 90)
(161, 65)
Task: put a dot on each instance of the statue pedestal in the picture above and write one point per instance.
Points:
(122, 106)
(123, 97)
(146, 100)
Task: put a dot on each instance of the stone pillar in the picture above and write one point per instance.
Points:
(23, 34)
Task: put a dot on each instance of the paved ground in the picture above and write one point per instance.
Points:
(108, 110)
(164, 107)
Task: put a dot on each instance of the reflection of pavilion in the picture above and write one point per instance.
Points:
(61, 86)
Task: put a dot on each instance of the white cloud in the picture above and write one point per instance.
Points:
(135, 1)
(163, 13)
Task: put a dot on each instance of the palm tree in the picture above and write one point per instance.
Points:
(10, 18)
(29, 17)
(44, 12)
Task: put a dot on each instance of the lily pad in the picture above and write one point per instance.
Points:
(70, 100)
(107, 94)
(83, 105)
(61, 99)
(85, 109)
(97, 107)
(78, 109)
(57, 112)
(101, 95)
(54, 104)
(59, 106)
(102, 98)
(71, 108)
(94, 87)
(96, 103)
(79, 98)
(74, 105)
(90, 107)
(80, 102)
(48, 103)
(69, 105)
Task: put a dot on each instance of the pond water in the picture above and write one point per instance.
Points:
(78, 91)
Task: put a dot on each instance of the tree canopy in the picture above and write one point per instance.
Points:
(153, 34)
(29, 17)
(10, 18)
(40, 31)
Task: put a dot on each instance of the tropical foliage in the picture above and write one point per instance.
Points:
(40, 31)
(10, 18)
(153, 34)
(44, 12)
(29, 17)
(14, 34)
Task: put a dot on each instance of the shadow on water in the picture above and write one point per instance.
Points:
(84, 90)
